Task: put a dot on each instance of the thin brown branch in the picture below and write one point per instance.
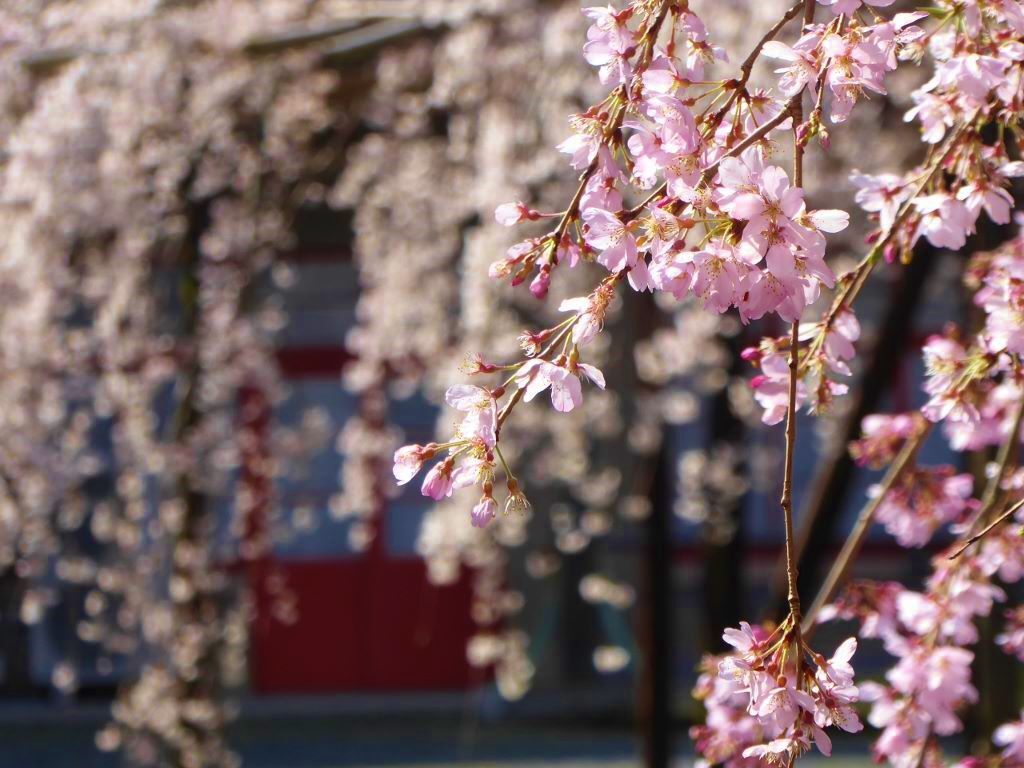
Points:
(739, 85)
(787, 479)
(793, 596)
(987, 529)
(851, 547)
(797, 109)
(1006, 461)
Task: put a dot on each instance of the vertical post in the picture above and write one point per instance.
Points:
(722, 580)
(656, 682)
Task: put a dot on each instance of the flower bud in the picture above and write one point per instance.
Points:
(540, 284)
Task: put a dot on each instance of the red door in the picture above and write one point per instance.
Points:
(363, 621)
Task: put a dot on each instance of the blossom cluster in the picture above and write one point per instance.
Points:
(720, 222)
(928, 633)
(975, 385)
(924, 500)
(728, 729)
(978, 74)
(774, 697)
(1011, 639)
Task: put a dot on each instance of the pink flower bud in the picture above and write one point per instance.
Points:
(509, 214)
(540, 284)
(484, 511)
(803, 132)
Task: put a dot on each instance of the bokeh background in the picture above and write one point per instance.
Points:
(250, 239)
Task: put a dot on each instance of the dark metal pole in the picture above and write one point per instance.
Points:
(722, 591)
(656, 683)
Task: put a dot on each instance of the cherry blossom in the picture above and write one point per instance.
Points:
(563, 380)
(1011, 639)
(791, 704)
(882, 436)
(480, 407)
(409, 460)
(925, 500)
(1010, 736)
(883, 194)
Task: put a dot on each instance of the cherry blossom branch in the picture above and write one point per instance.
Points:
(792, 108)
(739, 85)
(709, 172)
(793, 596)
(852, 546)
(1005, 461)
(984, 532)
(856, 278)
(648, 42)
(787, 478)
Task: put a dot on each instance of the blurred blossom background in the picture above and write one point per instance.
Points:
(243, 249)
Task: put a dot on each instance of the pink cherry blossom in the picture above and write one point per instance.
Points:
(882, 194)
(771, 388)
(1002, 298)
(1010, 736)
(438, 482)
(717, 273)
(614, 240)
(933, 112)
(924, 500)
(509, 214)
(591, 311)
(611, 26)
(849, 6)
(663, 75)
(1011, 639)
(945, 221)
(802, 69)
(981, 194)
(610, 43)
(566, 393)
(973, 75)
(853, 65)
(939, 681)
(583, 144)
(882, 436)
(839, 340)
(484, 511)
(481, 412)
(738, 176)
(893, 37)
(409, 460)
